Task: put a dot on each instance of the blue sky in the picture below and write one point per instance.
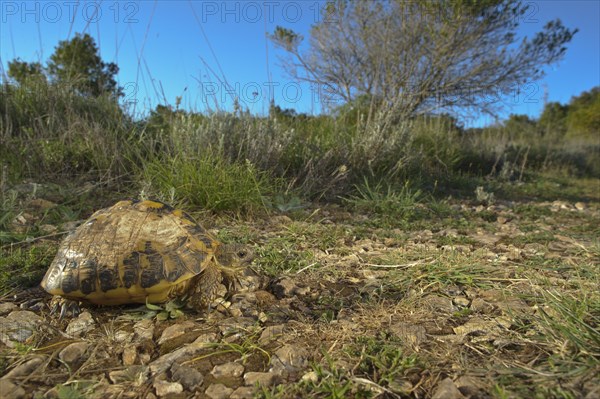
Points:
(167, 49)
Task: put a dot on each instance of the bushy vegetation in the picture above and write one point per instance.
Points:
(63, 121)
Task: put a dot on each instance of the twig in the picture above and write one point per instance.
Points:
(307, 267)
(369, 382)
(400, 266)
(30, 240)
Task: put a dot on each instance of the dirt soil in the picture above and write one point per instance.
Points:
(477, 300)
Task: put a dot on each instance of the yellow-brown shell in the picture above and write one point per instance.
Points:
(137, 252)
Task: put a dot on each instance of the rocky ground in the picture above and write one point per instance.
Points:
(472, 299)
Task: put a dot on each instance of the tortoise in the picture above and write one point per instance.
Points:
(142, 252)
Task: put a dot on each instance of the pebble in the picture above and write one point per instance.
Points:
(410, 333)
(481, 306)
(289, 359)
(469, 386)
(143, 329)
(7, 307)
(41, 203)
(136, 374)
(284, 288)
(69, 226)
(175, 331)
(271, 333)
(11, 391)
(164, 388)
(218, 391)
(190, 378)
(501, 220)
(263, 379)
(130, 355)
(446, 389)
(123, 337)
(461, 302)
(164, 362)
(311, 376)
(48, 228)
(230, 369)
(243, 393)
(25, 369)
(81, 325)
(74, 353)
(18, 326)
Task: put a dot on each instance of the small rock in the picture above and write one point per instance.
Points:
(164, 388)
(74, 353)
(235, 312)
(9, 390)
(281, 219)
(143, 329)
(560, 205)
(580, 206)
(136, 374)
(351, 260)
(501, 220)
(190, 378)
(7, 307)
(25, 369)
(264, 299)
(481, 306)
(461, 302)
(41, 204)
(48, 228)
(81, 325)
(478, 326)
(164, 362)
(289, 359)
(236, 326)
(311, 376)
(175, 331)
(70, 226)
(262, 379)
(271, 333)
(230, 369)
(284, 288)
(130, 355)
(18, 326)
(218, 391)
(243, 393)
(123, 337)
(446, 389)
(302, 291)
(469, 386)
(262, 317)
(438, 303)
(412, 334)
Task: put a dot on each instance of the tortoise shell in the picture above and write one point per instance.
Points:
(138, 252)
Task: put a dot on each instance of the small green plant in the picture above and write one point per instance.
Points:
(383, 361)
(171, 310)
(23, 267)
(286, 203)
(484, 197)
(79, 389)
(331, 381)
(209, 182)
(282, 255)
(384, 200)
(247, 348)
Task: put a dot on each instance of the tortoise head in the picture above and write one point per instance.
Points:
(234, 256)
(233, 259)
